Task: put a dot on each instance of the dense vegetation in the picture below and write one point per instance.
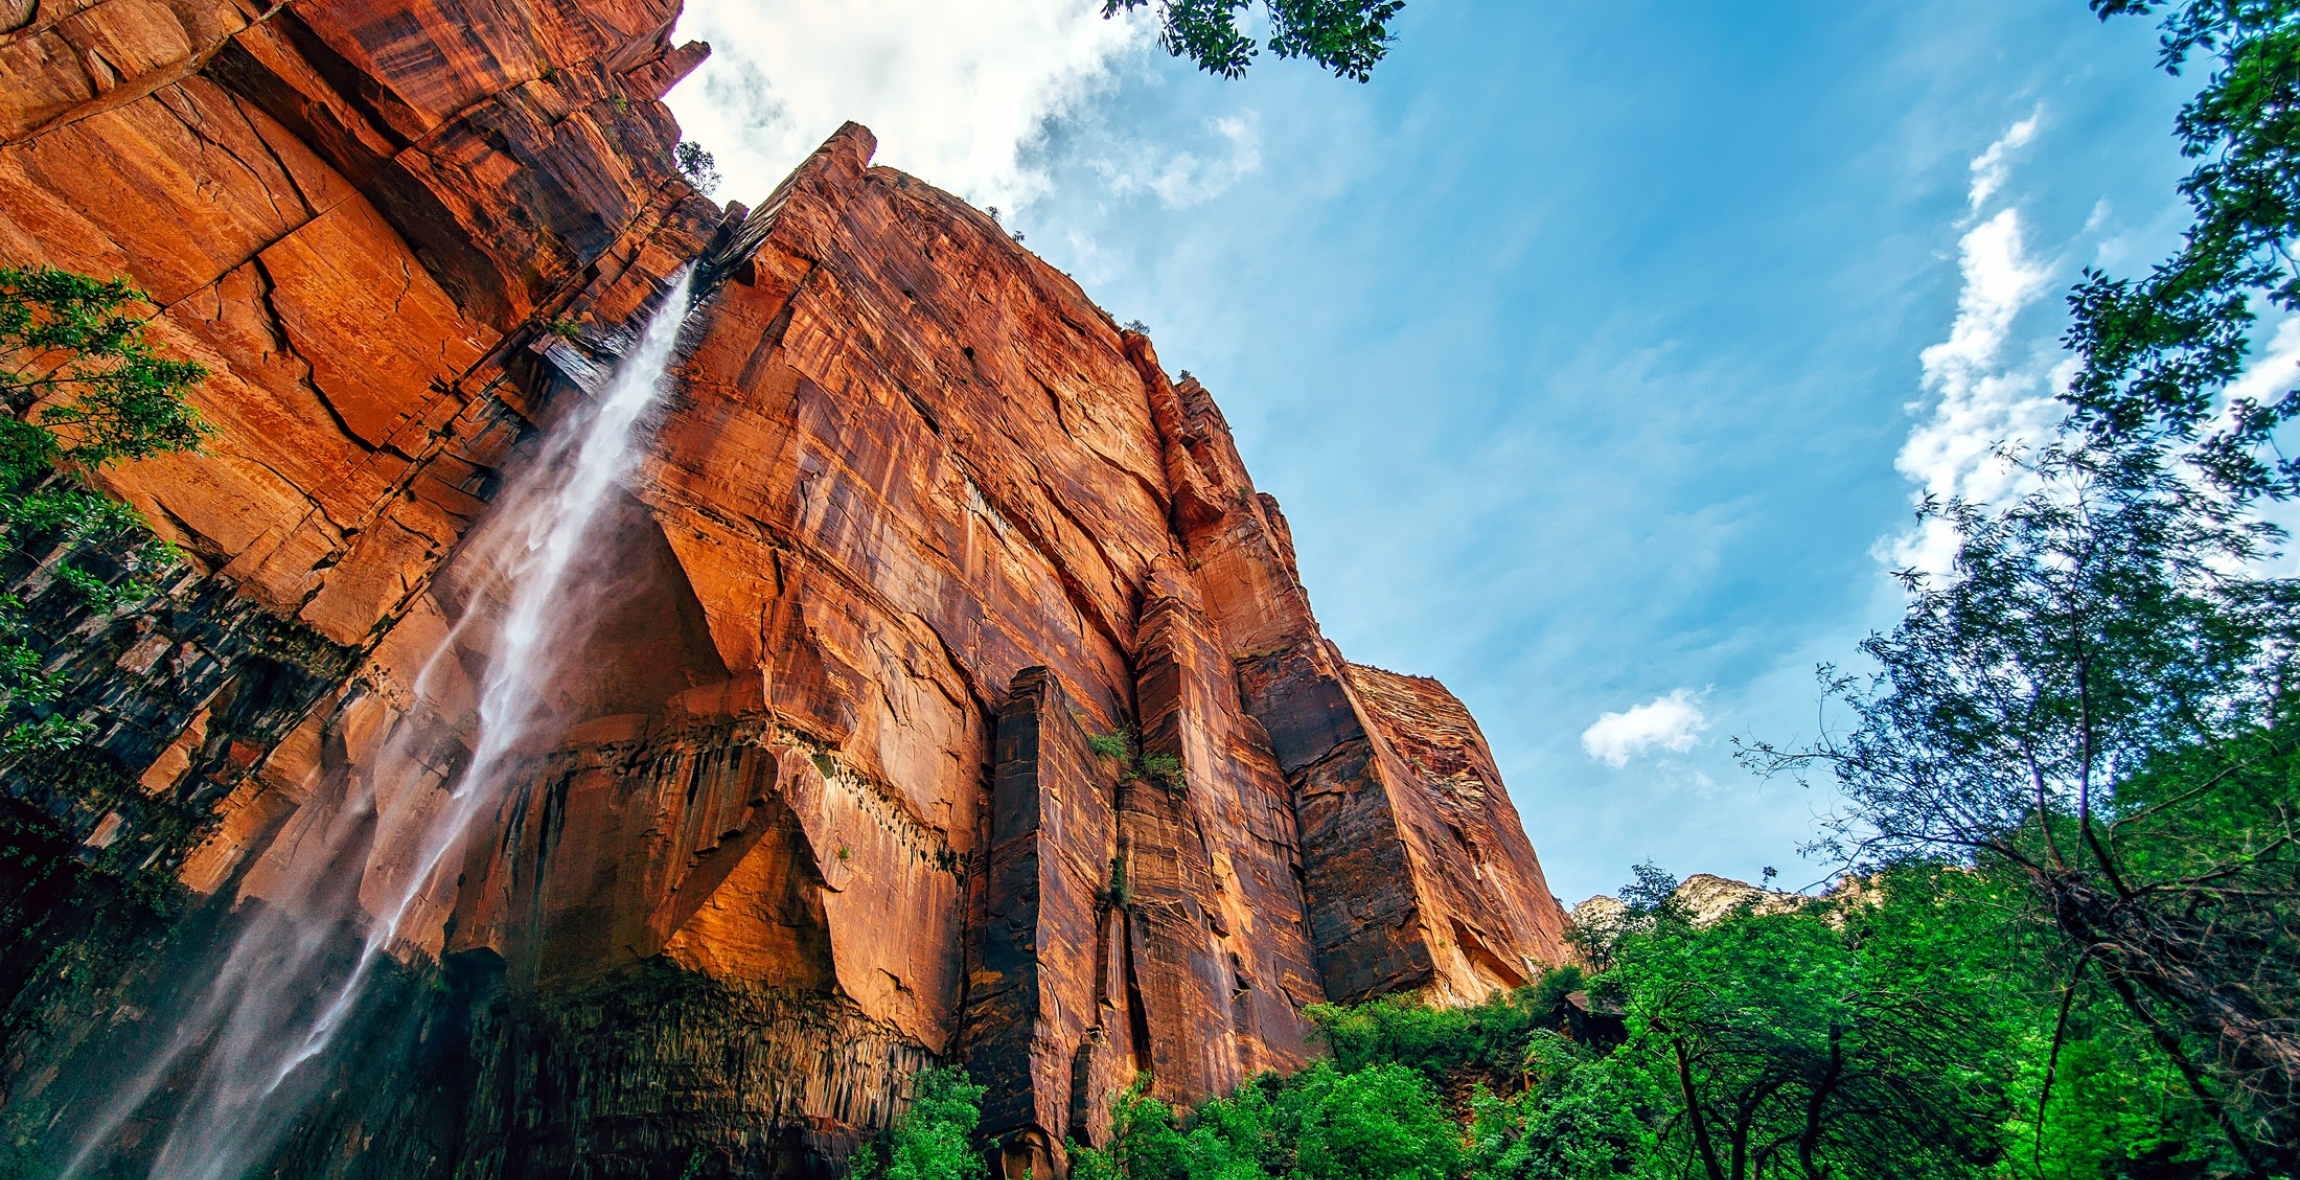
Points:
(1913, 1024)
(82, 388)
(933, 1138)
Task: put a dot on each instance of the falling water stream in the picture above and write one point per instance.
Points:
(287, 989)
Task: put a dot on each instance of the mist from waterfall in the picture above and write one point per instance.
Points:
(238, 1053)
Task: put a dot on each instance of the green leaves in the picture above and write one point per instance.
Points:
(1345, 37)
(1380, 1122)
(1870, 1035)
(81, 388)
(1817, 1040)
(932, 1140)
(78, 380)
(2158, 353)
(2091, 703)
(1583, 1121)
(1122, 747)
(1486, 1041)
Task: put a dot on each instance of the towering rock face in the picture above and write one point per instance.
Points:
(962, 701)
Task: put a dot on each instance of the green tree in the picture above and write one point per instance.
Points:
(2157, 352)
(1811, 1044)
(81, 384)
(933, 1138)
(82, 389)
(1347, 37)
(2084, 701)
(1583, 1117)
(1379, 1123)
(2093, 701)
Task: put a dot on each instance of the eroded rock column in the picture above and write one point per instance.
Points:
(1039, 1006)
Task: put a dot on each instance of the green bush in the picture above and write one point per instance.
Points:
(1582, 1120)
(933, 1139)
(1379, 1123)
(1486, 1041)
(1120, 746)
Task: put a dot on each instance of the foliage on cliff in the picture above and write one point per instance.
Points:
(81, 389)
(930, 1140)
(1379, 1122)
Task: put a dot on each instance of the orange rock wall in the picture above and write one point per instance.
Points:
(919, 522)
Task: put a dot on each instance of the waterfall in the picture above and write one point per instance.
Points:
(286, 988)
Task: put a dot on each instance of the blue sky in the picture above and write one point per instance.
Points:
(1595, 351)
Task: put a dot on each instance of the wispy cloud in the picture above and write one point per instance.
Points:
(2267, 377)
(1979, 396)
(955, 92)
(1673, 723)
(1184, 178)
(1991, 167)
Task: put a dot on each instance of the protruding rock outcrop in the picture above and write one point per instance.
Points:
(1704, 898)
(964, 702)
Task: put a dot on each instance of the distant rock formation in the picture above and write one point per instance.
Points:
(1705, 897)
(921, 522)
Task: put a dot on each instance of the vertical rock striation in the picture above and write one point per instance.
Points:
(962, 702)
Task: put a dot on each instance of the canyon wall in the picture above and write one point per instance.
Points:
(963, 702)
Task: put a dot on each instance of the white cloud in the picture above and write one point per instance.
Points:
(954, 92)
(2274, 371)
(1982, 398)
(1672, 723)
(1990, 167)
(2000, 281)
(1184, 178)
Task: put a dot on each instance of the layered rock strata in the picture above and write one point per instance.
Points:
(963, 701)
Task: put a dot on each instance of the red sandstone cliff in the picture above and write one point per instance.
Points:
(920, 522)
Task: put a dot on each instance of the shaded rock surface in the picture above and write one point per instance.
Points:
(920, 523)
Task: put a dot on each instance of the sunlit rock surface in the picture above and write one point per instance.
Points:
(920, 522)
(1704, 898)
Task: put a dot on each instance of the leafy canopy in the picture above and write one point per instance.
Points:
(2158, 352)
(1346, 37)
(2094, 701)
(1867, 1036)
